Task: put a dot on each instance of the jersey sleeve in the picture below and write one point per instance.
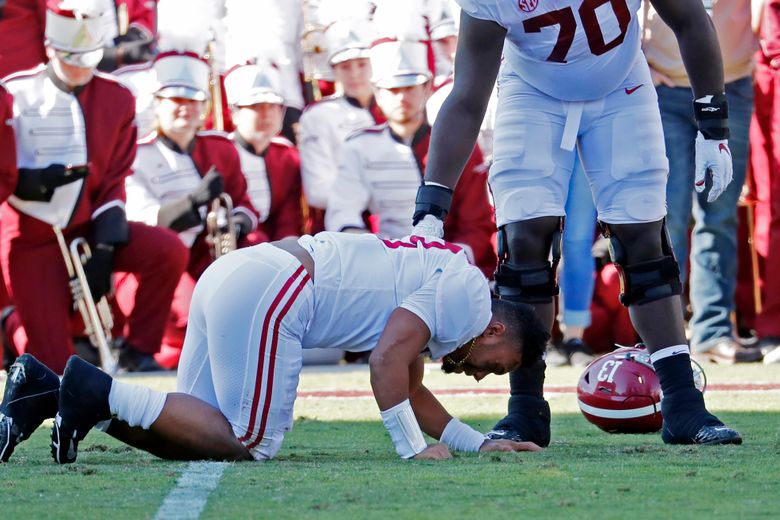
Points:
(454, 303)
(482, 9)
(422, 302)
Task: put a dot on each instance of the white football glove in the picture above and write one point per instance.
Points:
(714, 156)
(429, 226)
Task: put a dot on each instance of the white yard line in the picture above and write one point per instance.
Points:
(189, 497)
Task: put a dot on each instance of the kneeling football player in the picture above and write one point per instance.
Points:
(253, 311)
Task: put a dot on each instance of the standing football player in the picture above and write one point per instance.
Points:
(573, 76)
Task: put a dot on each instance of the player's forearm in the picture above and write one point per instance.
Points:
(389, 380)
(452, 140)
(698, 43)
(430, 413)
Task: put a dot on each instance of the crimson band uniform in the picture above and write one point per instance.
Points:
(8, 172)
(21, 35)
(94, 126)
(274, 187)
(254, 311)
(381, 174)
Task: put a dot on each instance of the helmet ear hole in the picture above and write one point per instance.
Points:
(586, 377)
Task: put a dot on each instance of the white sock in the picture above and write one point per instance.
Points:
(134, 404)
(674, 350)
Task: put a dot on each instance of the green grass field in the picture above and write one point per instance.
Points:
(338, 462)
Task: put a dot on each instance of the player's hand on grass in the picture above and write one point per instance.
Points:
(507, 445)
(438, 451)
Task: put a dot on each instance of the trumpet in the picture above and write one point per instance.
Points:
(219, 226)
(215, 88)
(97, 317)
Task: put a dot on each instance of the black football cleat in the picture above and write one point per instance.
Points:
(83, 403)
(31, 394)
(529, 420)
(709, 434)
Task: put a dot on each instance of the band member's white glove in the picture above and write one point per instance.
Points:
(429, 226)
(713, 155)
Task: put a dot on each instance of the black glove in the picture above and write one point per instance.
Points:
(133, 47)
(98, 270)
(211, 186)
(38, 184)
(178, 215)
(243, 225)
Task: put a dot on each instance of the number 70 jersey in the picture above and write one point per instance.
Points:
(574, 50)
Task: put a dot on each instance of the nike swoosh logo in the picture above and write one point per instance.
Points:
(630, 91)
(723, 148)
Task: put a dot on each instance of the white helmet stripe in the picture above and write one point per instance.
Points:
(618, 414)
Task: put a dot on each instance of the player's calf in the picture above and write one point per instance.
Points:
(30, 397)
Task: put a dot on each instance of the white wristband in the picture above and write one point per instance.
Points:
(404, 430)
(461, 437)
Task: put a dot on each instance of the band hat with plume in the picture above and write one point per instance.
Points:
(401, 55)
(400, 63)
(252, 83)
(442, 21)
(76, 27)
(180, 69)
(347, 40)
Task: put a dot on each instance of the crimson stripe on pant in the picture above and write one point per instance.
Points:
(272, 362)
(261, 356)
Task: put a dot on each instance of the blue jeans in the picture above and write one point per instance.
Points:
(577, 271)
(714, 237)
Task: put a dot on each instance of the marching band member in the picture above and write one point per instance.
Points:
(67, 114)
(269, 162)
(325, 125)
(129, 33)
(177, 173)
(381, 166)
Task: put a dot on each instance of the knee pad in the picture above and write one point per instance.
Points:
(645, 282)
(527, 283)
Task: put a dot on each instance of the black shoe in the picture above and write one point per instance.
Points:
(83, 403)
(708, 434)
(30, 397)
(133, 360)
(579, 353)
(529, 420)
(687, 421)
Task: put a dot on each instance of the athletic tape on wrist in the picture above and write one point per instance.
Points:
(461, 437)
(404, 430)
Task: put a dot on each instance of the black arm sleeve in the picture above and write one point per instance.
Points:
(110, 227)
(178, 215)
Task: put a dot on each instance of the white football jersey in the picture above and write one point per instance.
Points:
(574, 50)
(359, 280)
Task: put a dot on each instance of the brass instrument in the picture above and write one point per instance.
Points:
(310, 47)
(122, 19)
(215, 89)
(98, 320)
(221, 235)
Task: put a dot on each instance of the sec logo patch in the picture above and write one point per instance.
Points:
(528, 6)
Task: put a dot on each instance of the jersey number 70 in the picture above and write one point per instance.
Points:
(590, 22)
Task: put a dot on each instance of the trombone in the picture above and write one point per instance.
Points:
(219, 226)
(97, 317)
